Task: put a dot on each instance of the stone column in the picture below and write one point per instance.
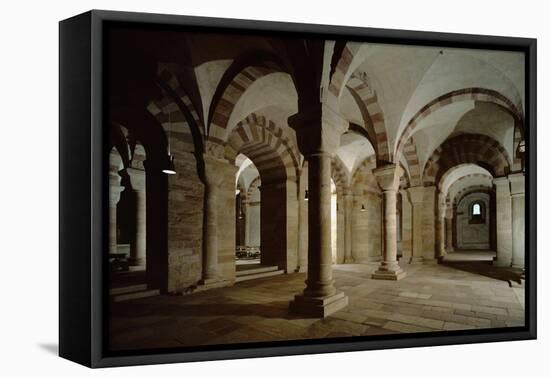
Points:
(114, 197)
(388, 178)
(348, 214)
(504, 222)
(449, 229)
(213, 178)
(302, 223)
(138, 246)
(517, 190)
(406, 226)
(440, 227)
(318, 133)
(115, 164)
(429, 223)
(416, 196)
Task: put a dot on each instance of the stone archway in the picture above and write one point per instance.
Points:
(261, 141)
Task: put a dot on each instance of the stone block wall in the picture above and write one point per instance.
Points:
(185, 223)
(367, 228)
(472, 235)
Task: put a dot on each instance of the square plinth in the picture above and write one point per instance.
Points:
(212, 283)
(389, 275)
(416, 260)
(318, 307)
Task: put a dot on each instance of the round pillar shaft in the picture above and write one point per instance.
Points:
(112, 229)
(518, 229)
(449, 234)
(416, 253)
(138, 246)
(348, 209)
(389, 262)
(319, 282)
(210, 271)
(302, 234)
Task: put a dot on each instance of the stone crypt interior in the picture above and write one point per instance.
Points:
(271, 188)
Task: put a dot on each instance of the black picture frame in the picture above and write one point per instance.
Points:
(83, 192)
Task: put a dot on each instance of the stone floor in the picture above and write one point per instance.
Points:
(450, 296)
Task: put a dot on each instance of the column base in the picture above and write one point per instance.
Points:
(136, 262)
(416, 260)
(301, 269)
(389, 270)
(349, 260)
(404, 258)
(212, 283)
(387, 275)
(137, 268)
(520, 265)
(318, 307)
(502, 263)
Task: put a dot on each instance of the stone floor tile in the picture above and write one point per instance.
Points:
(432, 297)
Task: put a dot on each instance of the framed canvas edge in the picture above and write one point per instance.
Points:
(527, 45)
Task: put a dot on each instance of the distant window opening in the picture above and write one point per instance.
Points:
(477, 212)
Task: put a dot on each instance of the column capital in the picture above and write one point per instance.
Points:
(501, 181)
(449, 212)
(517, 184)
(441, 202)
(114, 194)
(416, 194)
(214, 149)
(137, 179)
(388, 177)
(318, 129)
(347, 195)
(214, 169)
(114, 179)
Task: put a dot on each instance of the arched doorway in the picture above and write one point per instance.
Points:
(247, 214)
(266, 201)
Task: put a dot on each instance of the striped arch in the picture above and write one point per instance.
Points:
(339, 174)
(263, 142)
(336, 84)
(466, 177)
(469, 190)
(172, 81)
(138, 156)
(363, 178)
(256, 183)
(373, 115)
(518, 138)
(450, 171)
(405, 179)
(466, 149)
(220, 111)
(119, 140)
(466, 94)
(174, 124)
(411, 157)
